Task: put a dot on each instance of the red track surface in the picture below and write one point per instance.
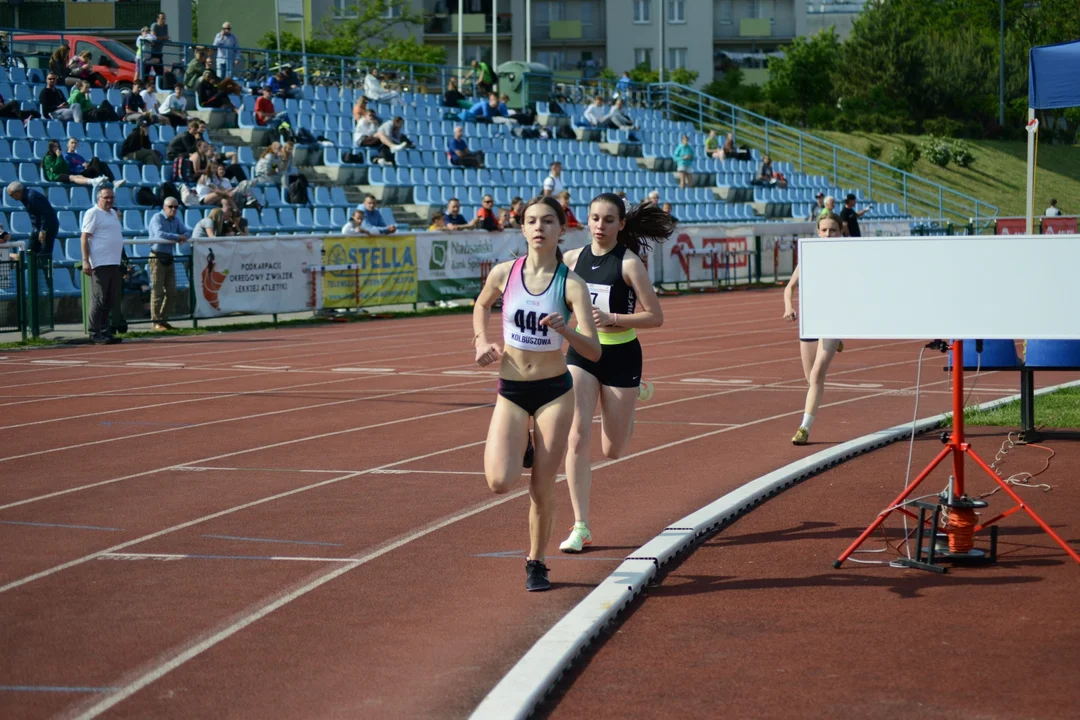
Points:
(192, 486)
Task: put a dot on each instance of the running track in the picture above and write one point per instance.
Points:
(294, 523)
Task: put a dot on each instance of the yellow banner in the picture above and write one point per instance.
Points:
(384, 272)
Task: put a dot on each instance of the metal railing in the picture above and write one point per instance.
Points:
(811, 155)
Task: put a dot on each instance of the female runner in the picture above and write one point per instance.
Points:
(617, 278)
(816, 354)
(538, 293)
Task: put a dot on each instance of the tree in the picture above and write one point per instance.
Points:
(372, 32)
(804, 76)
(645, 74)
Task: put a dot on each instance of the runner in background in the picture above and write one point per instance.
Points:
(538, 292)
(617, 279)
(816, 354)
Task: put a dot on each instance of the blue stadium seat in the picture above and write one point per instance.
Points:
(273, 196)
(29, 174)
(79, 197)
(114, 132)
(94, 132)
(322, 196)
(337, 195)
(36, 129)
(21, 150)
(20, 223)
(69, 227)
(132, 175)
(339, 216)
(151, 175)
(133, 223)
(269, 219)
(58, 198)
(305, 218)
(287, 219)
(322, 219)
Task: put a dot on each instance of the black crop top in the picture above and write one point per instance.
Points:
(610, 292)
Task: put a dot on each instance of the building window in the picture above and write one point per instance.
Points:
(753, 8)
(643, 56)
(555, 59)
(345, 8)
(393, 11)
(676, 11)
(676, 58)
(641, 11)
(725, 11)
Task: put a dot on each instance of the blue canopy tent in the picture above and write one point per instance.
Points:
(1053, 82)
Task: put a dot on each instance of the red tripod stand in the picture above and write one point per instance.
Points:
(958, 448)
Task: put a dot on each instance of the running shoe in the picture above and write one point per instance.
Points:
(645, 391)
(579, 538)
(802, 436)
(840, 346)
(536, 578)
(527, 461)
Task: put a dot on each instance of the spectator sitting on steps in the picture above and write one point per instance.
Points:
(458, 151)
(355, 225)
(453, 219)
(374, 90)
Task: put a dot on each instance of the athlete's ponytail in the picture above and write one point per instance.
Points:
(644, 222)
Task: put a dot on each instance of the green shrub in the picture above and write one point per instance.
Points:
(961, 154)
(843, 123)
(873, 151)
(820, 117)
(912, 150)
(944, 127)
(936, 150)
(900, 157)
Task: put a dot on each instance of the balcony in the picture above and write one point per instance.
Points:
(745, 28)
(472, 24)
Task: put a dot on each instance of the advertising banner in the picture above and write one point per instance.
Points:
(1062, 224)
(264, 276)
(1011, 226)
(382, 272)
(683, 258)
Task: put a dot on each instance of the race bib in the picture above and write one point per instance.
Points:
(601, 297)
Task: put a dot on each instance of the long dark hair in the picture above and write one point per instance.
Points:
(644, 222)
(555, 206)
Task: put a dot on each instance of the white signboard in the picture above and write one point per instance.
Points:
(257, 276)
(923, 288)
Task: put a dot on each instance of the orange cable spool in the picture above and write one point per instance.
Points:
(961, 529)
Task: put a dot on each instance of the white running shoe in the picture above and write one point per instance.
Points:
(579, 538)
(645, 391)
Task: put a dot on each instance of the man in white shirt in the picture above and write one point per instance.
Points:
(1053, 210)
(102, 249)
(174, 107)
(226, 47)
(596, 114)
(374, 90)
(365, 130)
(553, 185)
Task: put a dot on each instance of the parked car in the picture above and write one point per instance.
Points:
(113, 59)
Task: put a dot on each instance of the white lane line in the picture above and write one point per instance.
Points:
(187, 556)
(142, 678)
(258, 448)
(852, 385)
(60, 362)
(715, 381)
(260, 367)
(150, 364)
(362, 370)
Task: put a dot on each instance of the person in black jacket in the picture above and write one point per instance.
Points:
(54, 105)
(137, 146)
(44, 224)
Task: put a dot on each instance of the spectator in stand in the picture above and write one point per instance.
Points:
(227, 51)
(622, 87)
(684, 161)
(392, 138)
(504, 217)
(81, 67)
(619, 117)
(12, 110)
(135, 110)
(102, 243)
(213, 186)
(44, 224)
(654, 198)
(438, 222)
(765, 174)
(265, 114)
(78, 165)
(55, 169)
(596, 114)
(553, 184)
(167, 227)
(458, 151)
(234, 223)
(160, 30)
(138, 148)
(571, 219)
(849, 216)
(486, 217)
(817, 207)
(282, 86)
(365, 130)
(211, 96)
(185, 143)
(728, 150)
(517, 207)
(80, 96)
(712, 146)
(489, 111)
(150, 100)
(453, 219)
(355, 225)
(54, 105)
(58, 64)
(827, 208)
(143, 45)
(666, 207)
(174, 107)
(453, 98)
(359, 109)
(1051, 211)
(374, 222)
(272, 163)
(213, 225)
(485, 78)
(196, 67)
(376, 92)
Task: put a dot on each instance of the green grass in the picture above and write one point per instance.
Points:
(1059, 409)
(998, 175)
(238, 327)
